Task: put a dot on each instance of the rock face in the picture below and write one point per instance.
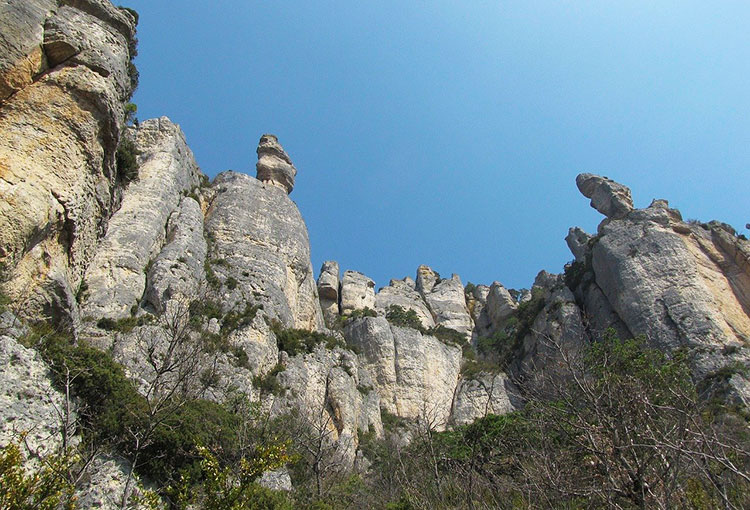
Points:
(403, 293)
(357, 292)
(678, 284)
(28, 400)
(64, 79)
(274, 166)
(177, 272)
(21, 37)
(116, 278)
(447, 303)
(260, 252)
(608, 197)
(333, 396)
(414, 374)
(483, 394)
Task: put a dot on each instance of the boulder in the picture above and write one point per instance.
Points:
(447, 303)
(482, 394)
(607, 196)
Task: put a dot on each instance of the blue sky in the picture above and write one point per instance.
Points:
(450, 133)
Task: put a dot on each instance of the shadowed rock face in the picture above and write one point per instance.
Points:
(274, 166)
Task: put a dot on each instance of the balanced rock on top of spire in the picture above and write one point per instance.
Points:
(274, 165)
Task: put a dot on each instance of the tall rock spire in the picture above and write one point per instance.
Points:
(274, 165)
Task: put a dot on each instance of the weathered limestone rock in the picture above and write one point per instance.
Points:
(28, 400)
(557, 329)
(259, 251)
(607, 196)
(277, 480)
(116, 277)
(500, 304)
(274, 166)
(21, 35)
(333, 396)
(426, 279)
(483, 394)
(105, 483)
(328, 290)
(328, 281)
(414, 374)
(677, 289)
(357, 292)
(177, 271)
(577, 241)
(447, 303)
(403, 293)
(58, 134)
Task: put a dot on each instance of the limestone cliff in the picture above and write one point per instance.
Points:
(118, 259)
(65, 75)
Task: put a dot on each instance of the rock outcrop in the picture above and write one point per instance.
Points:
(447, 303)
(414, 374)
(608, 197)
(403, 293)
(274, 166)
(328, 290)
(65, 75)
(357, 292)
(482, 394)
(259, 251)
(681, 285)
(116, 278)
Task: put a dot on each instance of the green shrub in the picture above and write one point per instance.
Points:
(469, 289)
(398, 316)
(236, 319)
(471, 369)
(231, 283)
(362, 312)
(268, 383)
(301, 341)
(124, 325)
(125, 159)
(174, 444)
(112, 404)
(447, 335)
(44, 486)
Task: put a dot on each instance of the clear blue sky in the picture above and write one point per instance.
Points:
(450, 133)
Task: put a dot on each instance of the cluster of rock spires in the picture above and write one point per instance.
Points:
(79, 244)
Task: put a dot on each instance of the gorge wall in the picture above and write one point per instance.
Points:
(106, 255)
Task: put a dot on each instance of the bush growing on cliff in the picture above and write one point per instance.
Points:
(399, 316)
(301, 341)
(125, 159)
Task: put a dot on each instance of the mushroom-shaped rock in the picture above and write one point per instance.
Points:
(610, 198)
(274, 165)
(328, 281)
